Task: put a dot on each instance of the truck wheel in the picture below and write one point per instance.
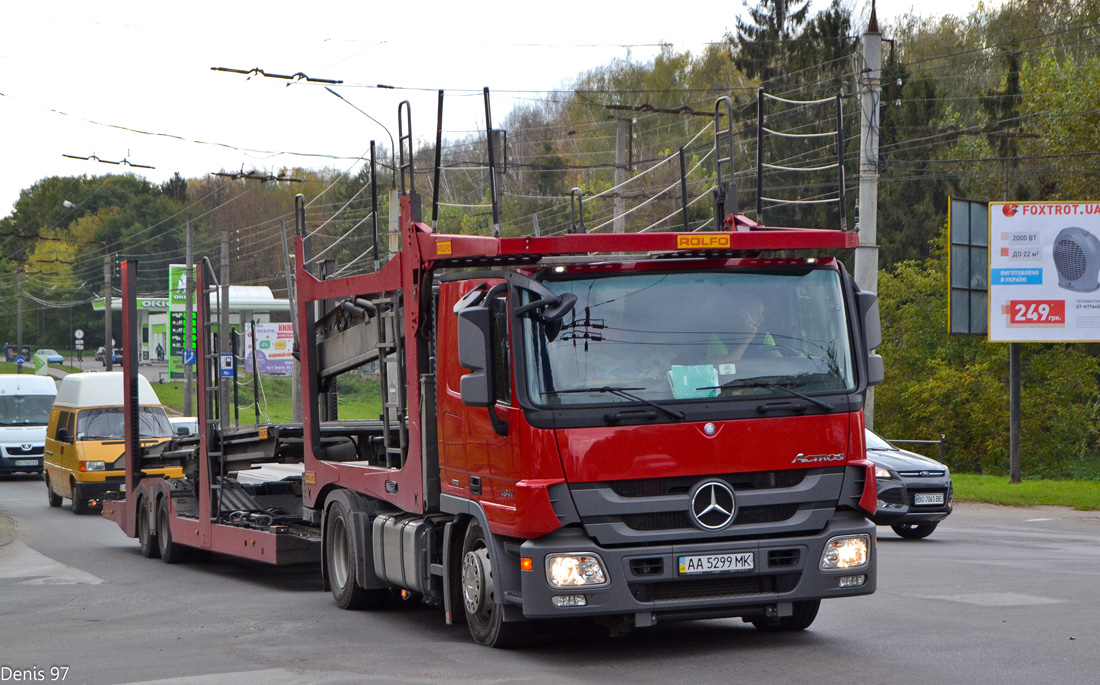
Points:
(803, 615)
(146, 538)
(170, 552)
(484, 616)
(914, 531)
(55, 499)
(80, 501)
(340, 555)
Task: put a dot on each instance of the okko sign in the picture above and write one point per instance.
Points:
(177, 312)
(1044, 272)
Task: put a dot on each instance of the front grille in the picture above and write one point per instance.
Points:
(669, 520)
(649, 566)
(921, 474)
(783, 558)
(707, 588)
(892, 496)
(657, 487)
(18, 451)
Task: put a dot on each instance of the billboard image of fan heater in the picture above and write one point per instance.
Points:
(1077, 258)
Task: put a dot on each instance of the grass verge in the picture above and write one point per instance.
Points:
(1083, 495)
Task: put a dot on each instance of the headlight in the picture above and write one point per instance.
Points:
(575, 570)
(881, 472)
(93, 466)
(846, 553)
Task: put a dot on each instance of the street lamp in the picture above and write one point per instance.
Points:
(108, 344)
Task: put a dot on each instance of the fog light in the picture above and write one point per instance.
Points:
(577, 568)
(848, 552)
(853, 581)
(569, 601)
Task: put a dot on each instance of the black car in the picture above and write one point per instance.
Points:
(914, 492)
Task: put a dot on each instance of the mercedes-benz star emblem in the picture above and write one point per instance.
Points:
(712, 505)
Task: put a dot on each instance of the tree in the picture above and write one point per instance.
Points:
(759, 45)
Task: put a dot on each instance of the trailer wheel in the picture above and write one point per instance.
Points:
(170, 552)
(80, 501)
(340, 563)
(803, 615)
(145, 535)
(55, 499)
(484, 615)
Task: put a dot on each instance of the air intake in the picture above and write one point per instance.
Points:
(1077, 258)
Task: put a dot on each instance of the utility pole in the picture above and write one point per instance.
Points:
(188, 312)
(108, 346)
(223, 333)
(19, 270)
(867, 252)
(622, 137)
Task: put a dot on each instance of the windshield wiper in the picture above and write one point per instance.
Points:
(755, 383)
(622, 392)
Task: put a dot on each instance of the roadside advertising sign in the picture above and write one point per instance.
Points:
(1044, 271)
(274, 346)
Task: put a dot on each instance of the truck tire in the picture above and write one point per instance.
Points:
(914, 531)
(146, 537)
(55, 499)
(803, 615)
(170, 552)
(80, 501)
(484, 615)
(340, 556)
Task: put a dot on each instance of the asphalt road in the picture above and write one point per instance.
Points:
(996, 595)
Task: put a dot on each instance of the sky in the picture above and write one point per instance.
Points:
(126, 80)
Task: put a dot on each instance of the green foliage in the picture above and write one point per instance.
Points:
(937, 383)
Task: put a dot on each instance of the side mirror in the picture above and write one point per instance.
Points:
(64, 435)
(872, 335)
(182, 430)
(473, 354)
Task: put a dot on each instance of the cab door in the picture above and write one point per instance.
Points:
(60, 459)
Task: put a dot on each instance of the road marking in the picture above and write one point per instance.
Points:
(996, 599)
(21, 565)
(1036, 520)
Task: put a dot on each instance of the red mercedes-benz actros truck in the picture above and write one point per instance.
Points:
(633, 427)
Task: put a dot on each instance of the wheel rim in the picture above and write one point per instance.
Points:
(477, 588)
(339, 553)
(165, 532)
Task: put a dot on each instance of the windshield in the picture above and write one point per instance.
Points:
(679, 336)
(877, 442)
(106, 423)
(25, 410)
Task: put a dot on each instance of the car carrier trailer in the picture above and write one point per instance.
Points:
(583, 425)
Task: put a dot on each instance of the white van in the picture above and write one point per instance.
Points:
(25, 402)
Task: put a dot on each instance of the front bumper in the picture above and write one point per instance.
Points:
(645, 580)
(897, 501)
(21, 464)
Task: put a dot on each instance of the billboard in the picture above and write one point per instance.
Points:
(274, 346)
(1044, 261)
